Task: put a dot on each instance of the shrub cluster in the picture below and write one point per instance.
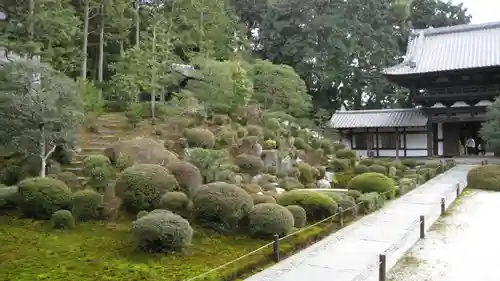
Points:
(317, 205)
(267, 219)
(42, 197)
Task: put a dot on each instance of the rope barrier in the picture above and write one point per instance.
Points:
(339, 213)
(458, 188)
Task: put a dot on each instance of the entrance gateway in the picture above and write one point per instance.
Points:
(453, 74)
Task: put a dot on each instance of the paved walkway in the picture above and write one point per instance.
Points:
(351, 254)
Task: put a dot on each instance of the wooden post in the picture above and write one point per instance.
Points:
(382, 267)
(341, 217)
(397, 143)
(422, 227)
(443, 206)
(276, 248)
(458, 190)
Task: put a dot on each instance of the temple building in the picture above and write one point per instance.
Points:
(453, 74)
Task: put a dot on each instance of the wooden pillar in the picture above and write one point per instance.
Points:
(404, 142)
(398, 142)
(377, 142)
(430, 139)
(351, 139)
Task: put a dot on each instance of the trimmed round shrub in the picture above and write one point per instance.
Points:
(221, 205)
(252, 188)
(86, 204)
(321, 172)
(249, 164)
(366, 162)
(485, 177)
(162, 232)
(410, 163)
(62, 219)
(373, 182)
(346, 154)
(336, 196)
(187, 175)
(349, 207)
(9, 197)
(306, 173)
(42, 197)
(261, 198)
(127, 153)
(361, 169)
(255, 131)
(267, 219)
(199, 137)
(99, 178)
(300, 143)
(343, 179)
(226, 136)
(378, 169)
(299, 215)
(141, 186)
(95, 161)
(340, 165)
(370, 202)
(70, 179)
(355, 194)
(177, 202)
(221, 119)
(142, 214)
(317, 205)
(290, 183)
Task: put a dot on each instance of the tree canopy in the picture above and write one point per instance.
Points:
(330, 52)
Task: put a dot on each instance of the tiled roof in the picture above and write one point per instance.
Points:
(451, 48)
(412, 117)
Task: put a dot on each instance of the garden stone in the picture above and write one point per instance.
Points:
(329, 176)
(279, 190)
(286, 162)
(270, 158)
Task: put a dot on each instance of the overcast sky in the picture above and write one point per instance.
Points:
(482, 10)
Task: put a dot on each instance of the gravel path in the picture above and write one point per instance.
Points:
(462, 246)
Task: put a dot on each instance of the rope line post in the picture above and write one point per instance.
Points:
(422, 227)
(341, 217)
(382, 267)
(458, 189)
(276, 248)
(443, 206)
(485, 162)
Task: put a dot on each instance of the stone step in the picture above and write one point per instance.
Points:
(82, 156)
(96, 143)
(75, 170)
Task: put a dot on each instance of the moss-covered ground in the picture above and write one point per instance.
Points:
(31, 250)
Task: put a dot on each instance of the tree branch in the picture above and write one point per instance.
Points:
(50, 152)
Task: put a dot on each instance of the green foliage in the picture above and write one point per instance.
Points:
(55, 103)
(221, 205)
(340, 165)
(346, 154)
(62, 219)
(187, 175)
(290, 183)
(9, 197)
(210, 162)
(267, 219)
(348, 206)
(262, 198)
(485, 177)
(142, 186)
(361, 169)
(299, 215)
(343, 179)
(198, 137)
(177, 202)
(162, 232)
(225, 86)
(373, 182)
(70, 179)
(370, 202)
(41, 197)
(378, 169)
(98, 170)
(249, 164)
(86, 204)
(306, 173)
(355, 194)
(280, 88)
(410, 163)
(317, 205)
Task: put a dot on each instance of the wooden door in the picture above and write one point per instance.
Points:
(451, 139)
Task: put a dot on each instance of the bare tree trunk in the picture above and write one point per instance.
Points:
(44, 154)
(153, 79)
(86, 8)
(137, 25)
(100, 67)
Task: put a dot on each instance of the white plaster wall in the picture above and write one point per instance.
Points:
(416, 141)
(392, 153)
(440, 136)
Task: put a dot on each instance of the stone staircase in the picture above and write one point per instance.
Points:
(111, 128)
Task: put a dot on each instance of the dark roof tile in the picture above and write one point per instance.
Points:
(412, 117)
